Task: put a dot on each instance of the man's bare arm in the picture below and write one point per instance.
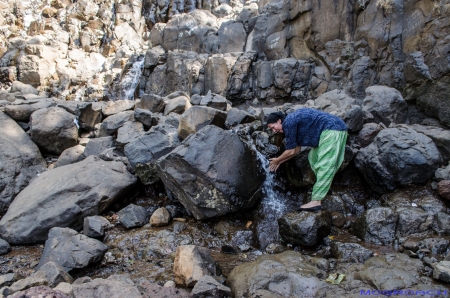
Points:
(288, 154)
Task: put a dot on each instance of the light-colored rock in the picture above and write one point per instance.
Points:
(177, 105)
(198, 117)
(191, 264)
(160, 218)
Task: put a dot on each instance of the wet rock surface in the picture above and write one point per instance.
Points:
(305, 228)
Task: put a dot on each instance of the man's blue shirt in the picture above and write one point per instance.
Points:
(304, 126)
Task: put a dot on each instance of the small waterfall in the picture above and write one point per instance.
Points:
(125, 86)
(273, 202)
(272, 199)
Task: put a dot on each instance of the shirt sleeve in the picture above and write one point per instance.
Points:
(290, 137)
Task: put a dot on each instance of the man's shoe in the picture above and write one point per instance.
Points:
(312, 209)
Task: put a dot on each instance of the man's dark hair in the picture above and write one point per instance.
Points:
(274, 117)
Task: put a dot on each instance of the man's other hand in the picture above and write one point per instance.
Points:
(274, 164)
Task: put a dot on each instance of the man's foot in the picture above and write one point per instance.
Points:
(313, 206)
(312, 209)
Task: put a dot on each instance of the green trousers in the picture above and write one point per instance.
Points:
(325, 160)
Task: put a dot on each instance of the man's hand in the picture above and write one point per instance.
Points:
(274, 164)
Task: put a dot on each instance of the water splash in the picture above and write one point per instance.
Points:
(125, 86)
(272, 200)
(132, 79)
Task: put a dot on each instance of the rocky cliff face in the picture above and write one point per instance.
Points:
(277, 50)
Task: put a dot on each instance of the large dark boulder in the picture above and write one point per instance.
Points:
(143, 151)
(20, 160)
(212, 173)
(62, 197)
(71, 250)
(397, 157)
(305, 228)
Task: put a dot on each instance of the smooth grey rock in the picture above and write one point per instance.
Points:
(398, 156)
(377, 271)
(376, 226)
(386, 105)
(27, 283)
(133, 216)
(209, 287)
(112, 123)
(128, 132)
(197, 117)
(95, 226)
(53, 129)
(71, 193)
(53, 273)
(20, 158)
(21, 110)
(70, 156)
(96, 146)
(18, 86)
(213, 190)
(280, 275)
(71, 250)
(305, 228)
(113, 287)
(115, 107)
